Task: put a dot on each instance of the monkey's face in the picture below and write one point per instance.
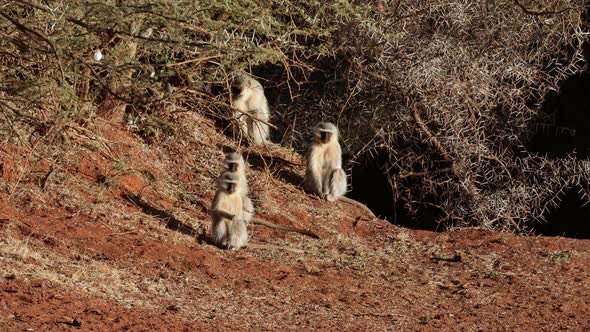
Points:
(236, 90)
(232, 166)
(325, 136)
(231, 187)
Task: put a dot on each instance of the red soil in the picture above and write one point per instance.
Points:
(92, 259)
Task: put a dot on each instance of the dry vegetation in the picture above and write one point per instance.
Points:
(107, 167)
(449, 86)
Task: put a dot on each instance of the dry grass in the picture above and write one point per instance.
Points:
(23, 259)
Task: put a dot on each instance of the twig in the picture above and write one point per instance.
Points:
(216, 102)
(194, 60)
(429, 134)
(539, 12)
(414, 174)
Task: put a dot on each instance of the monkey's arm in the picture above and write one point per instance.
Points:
(359, 204)
(240, 103)
(247, 114)
(313, 172)
(284, 228)
(222, 213)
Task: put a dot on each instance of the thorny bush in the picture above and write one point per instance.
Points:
(444, 88)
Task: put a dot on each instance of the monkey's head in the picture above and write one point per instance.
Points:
(238, 85)
(236, 89)
(233, 162)
(326, 132)
(229, 182)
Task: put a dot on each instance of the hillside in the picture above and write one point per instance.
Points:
(77, 253)
(465, 119)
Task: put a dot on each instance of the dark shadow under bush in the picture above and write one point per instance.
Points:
(561, 127)
(570, 219)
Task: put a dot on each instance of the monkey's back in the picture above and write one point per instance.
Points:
(258, 103)
(333, 155)
(243, 186)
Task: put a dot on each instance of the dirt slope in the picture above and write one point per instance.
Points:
(114, 237)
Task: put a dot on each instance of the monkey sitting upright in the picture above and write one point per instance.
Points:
(229, 228)
(324, 175)
(234, 163)
(247, 95)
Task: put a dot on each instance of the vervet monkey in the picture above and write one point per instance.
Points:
(229, 228)
(324, 175)
(234, 163)
(247, 95)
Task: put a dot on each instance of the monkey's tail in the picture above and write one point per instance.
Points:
(357, 203)
(284, 228)
(272, 246)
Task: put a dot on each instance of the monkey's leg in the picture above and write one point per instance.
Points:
(314, 173)
(336, 185)
(220, 233)
(242, 124)
(237, 234)
(312, 184)
(260, 131)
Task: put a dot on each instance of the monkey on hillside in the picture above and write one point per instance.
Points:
(324, 175)
(228, 227)
(234, 163)
(247, 95)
